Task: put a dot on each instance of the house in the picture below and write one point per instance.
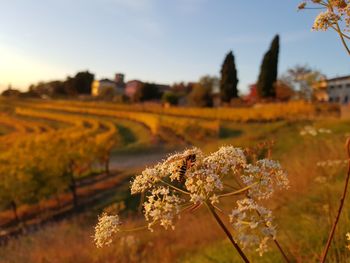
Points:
(320, 92)
(131, 87)
(339, 89)
(107, 87)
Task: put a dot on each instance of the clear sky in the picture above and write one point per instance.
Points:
(162, 41)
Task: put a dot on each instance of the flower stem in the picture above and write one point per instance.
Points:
(227, 232)
(175, 188)
(342, 38)
(281, 250)
(331, 234)
(278, 245)
(238, 191)
(337, 28)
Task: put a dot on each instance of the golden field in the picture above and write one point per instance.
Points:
(46, 146)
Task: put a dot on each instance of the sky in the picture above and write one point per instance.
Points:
(163, 41)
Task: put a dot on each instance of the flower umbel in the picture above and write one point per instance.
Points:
(252, 224)
(263, 177)
(185, 181)
(325, 20)
(162, 206)
(106, 228)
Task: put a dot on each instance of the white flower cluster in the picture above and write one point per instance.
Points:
(106, 228)
(310, 130)
(202, 184)
(204, 181)
(148, 178)
(162, 206)
(227, 159)
(264, 177)
(193, 178)
(252, 224)
(332, 163)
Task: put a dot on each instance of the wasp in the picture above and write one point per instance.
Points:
(187, 163)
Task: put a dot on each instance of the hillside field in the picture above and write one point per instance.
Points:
(64, 162)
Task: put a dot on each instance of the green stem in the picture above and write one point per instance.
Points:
(227, 232)
(175, 188)
(230, 186)
(239, 191)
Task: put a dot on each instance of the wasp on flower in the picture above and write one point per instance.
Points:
(192, 179)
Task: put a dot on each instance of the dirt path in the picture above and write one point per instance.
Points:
(138, 159)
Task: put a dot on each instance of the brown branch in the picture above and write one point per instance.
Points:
(281, 251)
(331, 234)
(227, 232)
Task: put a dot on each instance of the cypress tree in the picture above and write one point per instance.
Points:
(268, 71)
(229, 80)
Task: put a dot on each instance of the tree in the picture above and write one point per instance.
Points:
(69, 87)
(147, 91)
(79, 84)
(229, 80)
(201, 94)
(283, 91)
(170, 97)
(268, 71)
(302, 78)
(82, 82)
(10, 92)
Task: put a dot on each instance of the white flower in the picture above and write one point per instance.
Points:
(321, 179)
(323, 130)
(214, 199)
(226, 159)
(252, 224)
(308, 130)
(163, 206)
(148, 178)
(348, 236)
(205, 180)
(106, 228)
(202, 184)
(263, 177)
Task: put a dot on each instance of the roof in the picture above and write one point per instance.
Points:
(106, 80)
(339, 78)
(134, 80)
